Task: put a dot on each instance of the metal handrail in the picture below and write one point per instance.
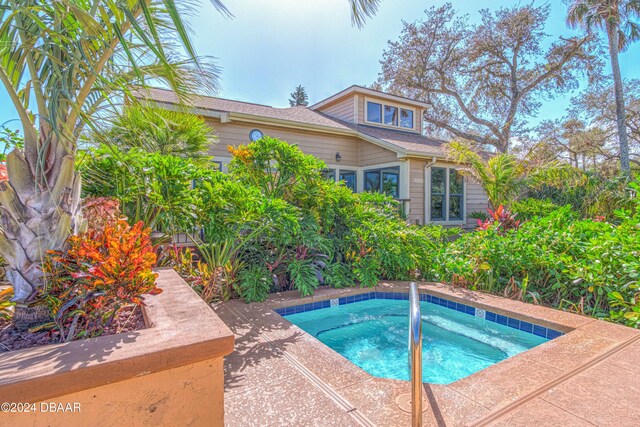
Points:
(415, 355)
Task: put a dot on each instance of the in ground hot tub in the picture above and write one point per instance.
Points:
(371, 331)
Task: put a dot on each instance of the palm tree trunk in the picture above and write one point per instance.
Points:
(38, 212)
(612, 35)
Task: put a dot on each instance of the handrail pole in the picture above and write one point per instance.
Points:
(415, 355)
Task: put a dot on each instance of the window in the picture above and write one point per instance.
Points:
(374, 112)
(372, 181)
(349, 178)
(456, 195)
(383, 181)
(447, 195)
(390, 115)
(406, 118)
(438, 178)
(218, 165)
(329, 174)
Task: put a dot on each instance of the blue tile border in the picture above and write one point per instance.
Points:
(489, 316)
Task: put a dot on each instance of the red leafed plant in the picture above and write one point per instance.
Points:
(100, 211)
(101, 272)
(501, 218)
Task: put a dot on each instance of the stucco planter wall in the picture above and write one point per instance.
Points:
(168, 374)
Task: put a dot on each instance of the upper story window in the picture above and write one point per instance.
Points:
(374, 112)
(389, 115)
(406, 118)
(447, 195)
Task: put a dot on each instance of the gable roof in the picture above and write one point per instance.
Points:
(367, 91)
(293, 114)
(404, 143)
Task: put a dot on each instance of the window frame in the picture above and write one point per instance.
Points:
(399, 108)
(413, 123)
(458, 195)
(447, 220)
(329, 170)
(340, 171)
(393, 170)
(366, 112)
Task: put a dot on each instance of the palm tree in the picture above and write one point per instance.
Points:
(361, 10)
(504, 177)
(163, 131)
(62, 63)
(615, 17)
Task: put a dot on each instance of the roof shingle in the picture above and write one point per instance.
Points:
(403, 140)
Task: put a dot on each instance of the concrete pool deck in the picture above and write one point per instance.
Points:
(279, 375)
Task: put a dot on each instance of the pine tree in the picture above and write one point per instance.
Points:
(299, 97)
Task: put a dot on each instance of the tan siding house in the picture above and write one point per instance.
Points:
(371, 140)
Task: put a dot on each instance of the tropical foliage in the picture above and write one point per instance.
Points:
(152, 187)
(505, 178)
(619, 20)
(272, 223)
(61, 64)
(586, 265)
(162, 131)
(101, 272)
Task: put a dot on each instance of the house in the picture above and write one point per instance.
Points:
(373, 141)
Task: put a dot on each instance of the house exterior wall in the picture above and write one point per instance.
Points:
(321, 145)
(351, 108)
(341, 109)
(369, 154)
(357, 155)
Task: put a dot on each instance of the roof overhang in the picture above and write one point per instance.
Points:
(365, 91)
(227, 117)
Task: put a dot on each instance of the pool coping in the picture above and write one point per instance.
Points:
(466, 309)
(479, 398)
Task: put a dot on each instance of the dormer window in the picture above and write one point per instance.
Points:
(406, 118)
(374, 112)
(389, 115)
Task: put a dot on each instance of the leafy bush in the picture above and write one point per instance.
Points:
(597, 196)
(588, 266)
(527, 209)
(99, 274)
(254, 283)
(151, 187)
(293, 229)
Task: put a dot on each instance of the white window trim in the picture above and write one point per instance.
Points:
(390, 104)
(359, 170)
(427, 198)
(225, 163)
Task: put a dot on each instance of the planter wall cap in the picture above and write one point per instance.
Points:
(181, 329)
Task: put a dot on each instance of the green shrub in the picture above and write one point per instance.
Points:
(254, 283)
(527, 209)
(597, 196)
(151, 187)
(585, 265)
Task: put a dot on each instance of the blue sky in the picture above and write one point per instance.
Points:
(269, 47)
